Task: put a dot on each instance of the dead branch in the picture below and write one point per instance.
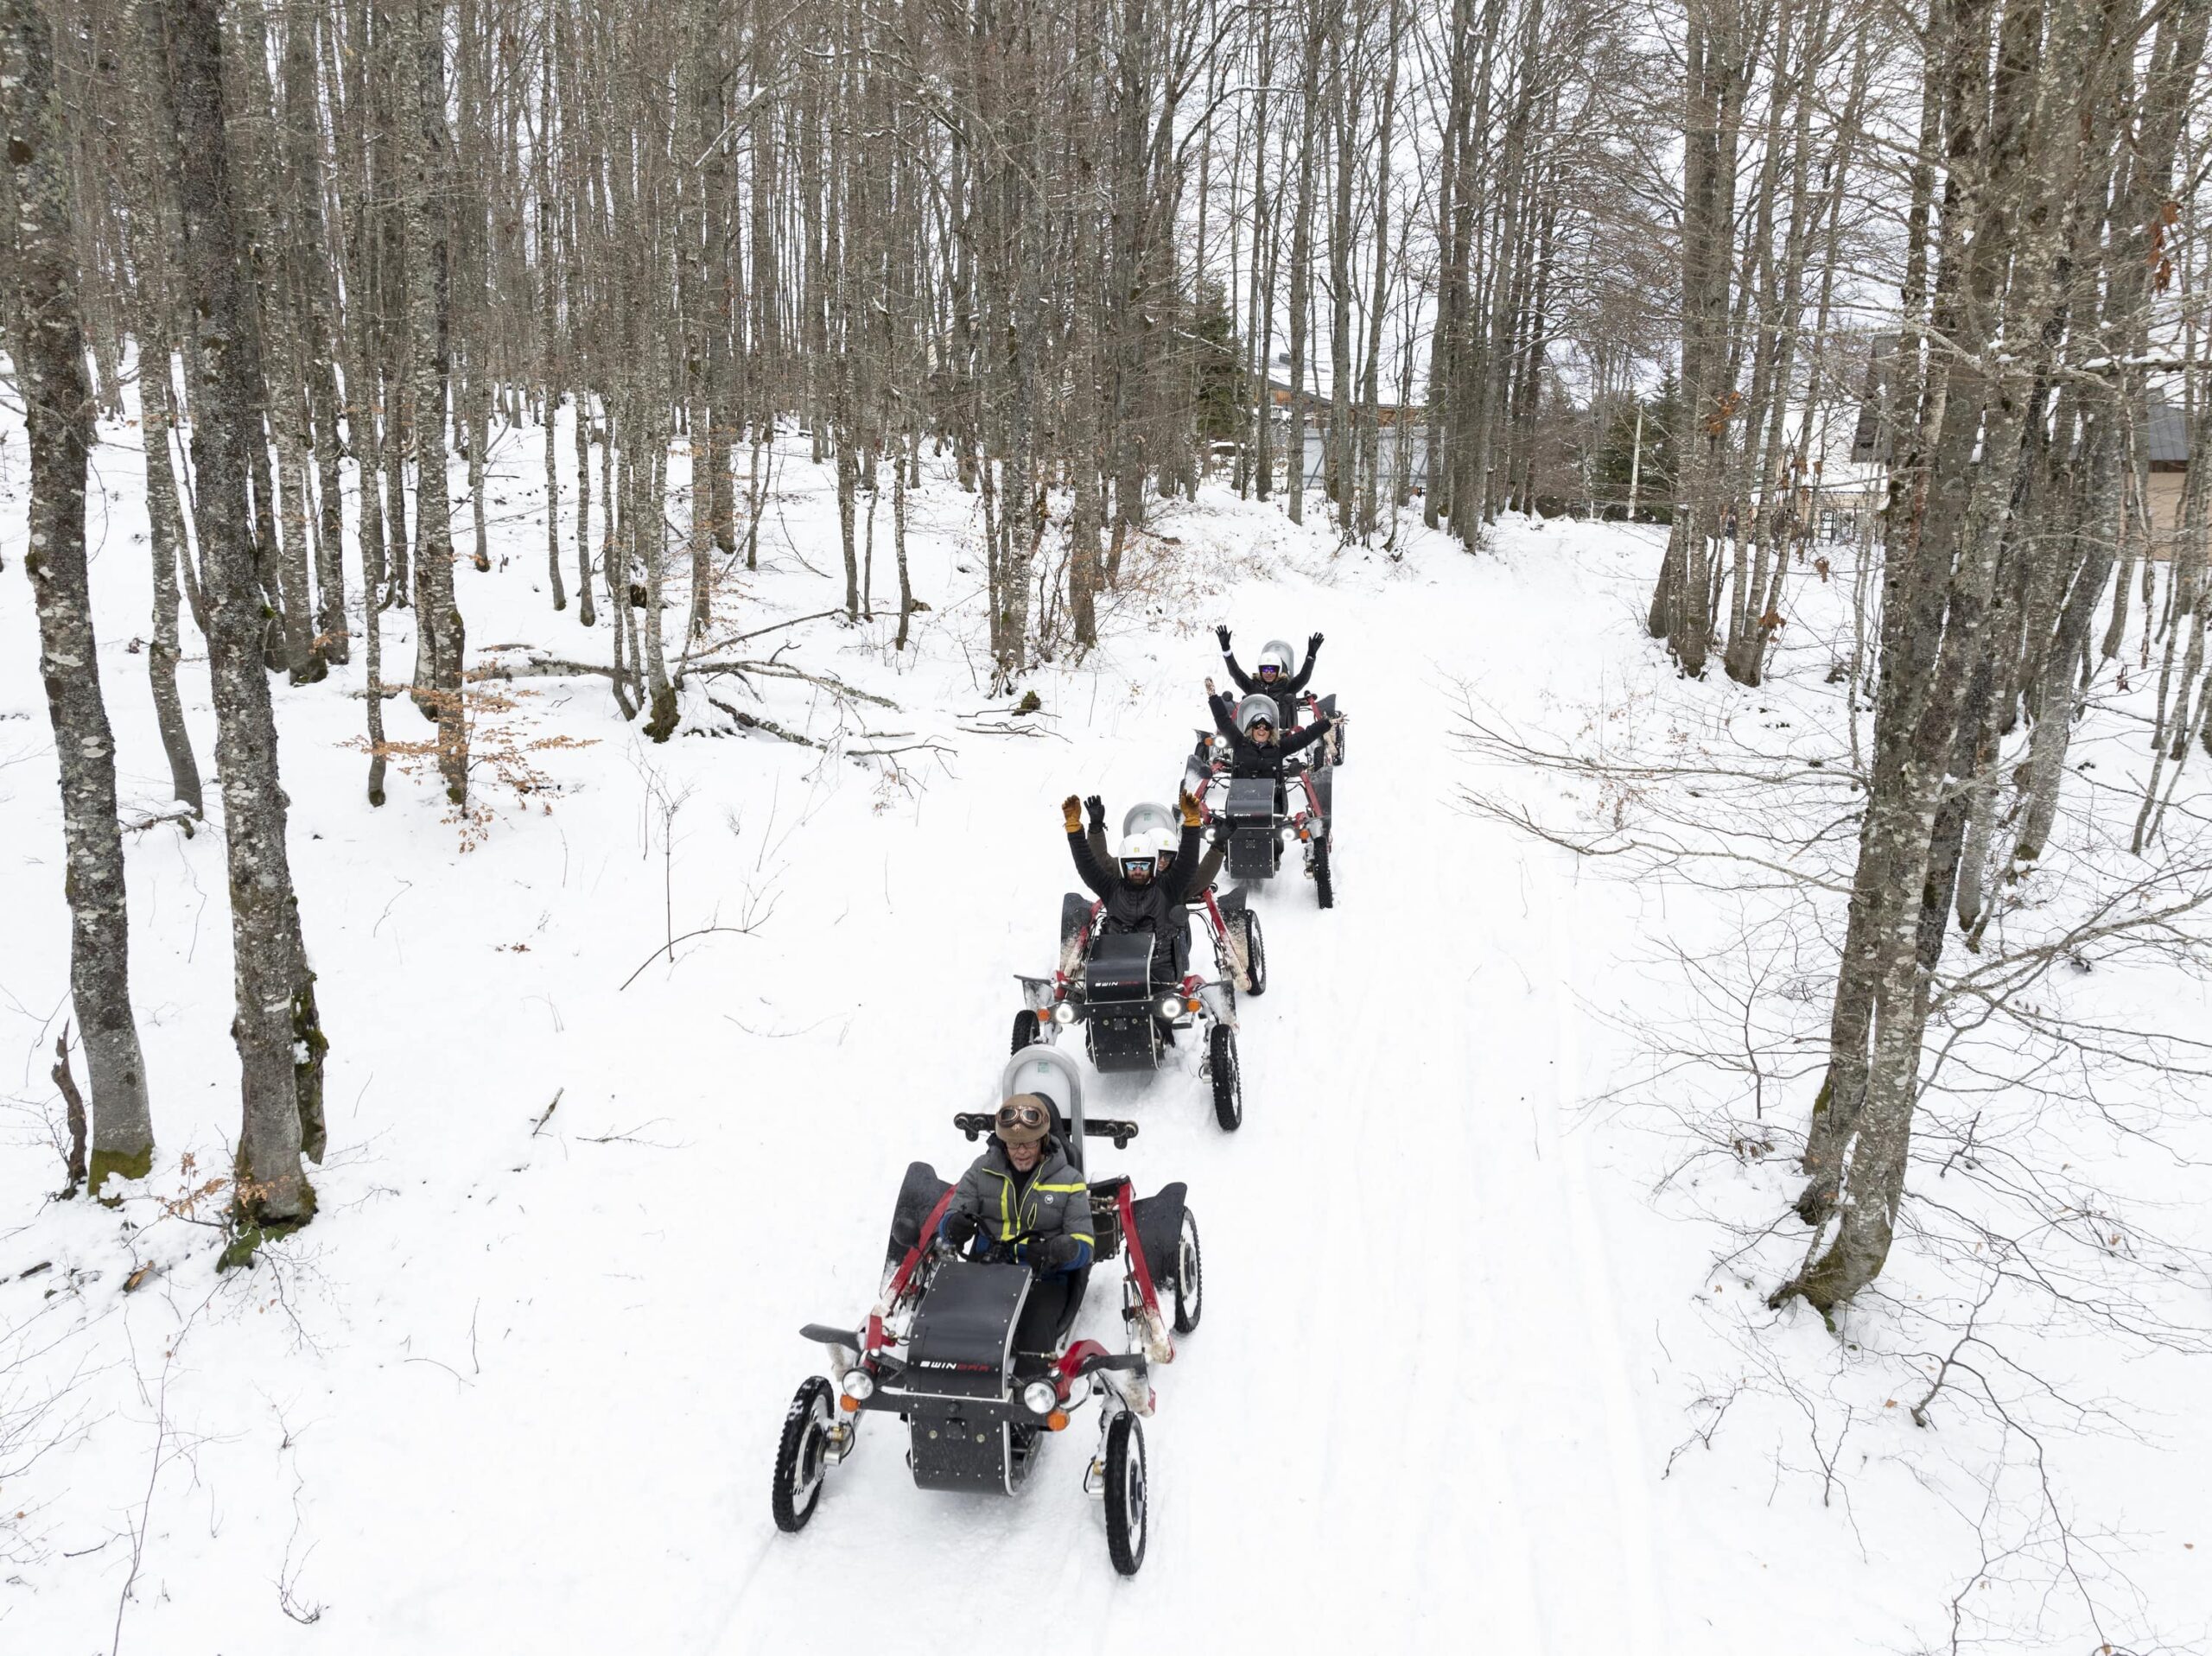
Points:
(750, 722)
(669, 948)
(73, 1161)
(548, 1116)
(778, 670)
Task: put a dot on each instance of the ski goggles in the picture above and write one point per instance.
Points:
(1021, 1115)
(1268, 670)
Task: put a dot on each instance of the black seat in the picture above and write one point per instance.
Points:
(1048, 1314)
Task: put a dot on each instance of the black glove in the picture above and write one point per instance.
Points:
(960, 1229)
(1096, 806)
(1313, 644)
(1053, 1253)
(1222, 633)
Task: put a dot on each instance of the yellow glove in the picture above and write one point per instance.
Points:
(1072, 813)
(1192, 814)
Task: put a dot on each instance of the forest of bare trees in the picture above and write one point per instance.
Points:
(1387, 262)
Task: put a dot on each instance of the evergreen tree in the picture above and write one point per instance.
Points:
(1616, 464)
(1220, 380)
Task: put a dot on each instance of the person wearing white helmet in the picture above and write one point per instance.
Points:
(1166, 847)
(1272, 675)
(1135, 897)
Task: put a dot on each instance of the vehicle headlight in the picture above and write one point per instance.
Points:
(1065, 1013)
(1171, 1006)
(857, 1384)
(1040, 1397)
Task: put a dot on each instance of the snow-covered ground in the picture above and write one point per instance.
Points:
(517, 1388)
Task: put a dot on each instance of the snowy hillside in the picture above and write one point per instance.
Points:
(1472, 1377)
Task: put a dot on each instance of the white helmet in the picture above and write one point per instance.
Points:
(1275, 653)
(1137, 856)
(1165, 845)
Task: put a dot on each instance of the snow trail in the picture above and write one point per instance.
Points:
(1403, 1417)
(1406, 1418)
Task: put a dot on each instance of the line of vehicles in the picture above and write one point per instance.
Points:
(973, 1348)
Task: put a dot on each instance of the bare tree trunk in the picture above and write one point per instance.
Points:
(310, 258)
(48, 346)
(277, 1027)
(442, 640)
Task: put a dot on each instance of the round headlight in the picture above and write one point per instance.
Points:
(1171, 1006)
(1065, 1013)
(858, 1383)
(1040, 1397)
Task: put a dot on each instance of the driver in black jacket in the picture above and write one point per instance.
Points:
(1271, 675)
(1136, 897)
(1257, 749)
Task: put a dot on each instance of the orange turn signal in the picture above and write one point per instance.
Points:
(1044, 1014)
(1192, 1003)
(850, 1405)
(1056, 1421)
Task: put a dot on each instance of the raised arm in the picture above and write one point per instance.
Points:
(1237, 674)
(1224, 720)
(1087, 868)
(1209, 866)
(1305, 671)
(1186, 852)
(1094, 837)
(1312, 732)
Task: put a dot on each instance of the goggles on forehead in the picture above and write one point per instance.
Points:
(1020, 1115)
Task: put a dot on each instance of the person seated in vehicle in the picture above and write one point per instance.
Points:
(1271, 674)
(1166, 849)
(1255, 747)
(1023, 1195)
(1136, 899)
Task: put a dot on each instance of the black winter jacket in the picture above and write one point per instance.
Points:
(1247, 758)
(1288, 685)
(1157, 906)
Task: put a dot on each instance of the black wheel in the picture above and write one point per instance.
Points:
(803, 1455)
(1190, 1277)
(1322, 887)
(1126, 1494)
(1255, 955)
(1228, 1083)
(1025, 1030)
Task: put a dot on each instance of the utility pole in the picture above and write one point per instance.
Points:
(1636, 463)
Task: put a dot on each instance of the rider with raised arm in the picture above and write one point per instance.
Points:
(1272, 675)
(1256, 746)
(1166, 848)
(1136, 899)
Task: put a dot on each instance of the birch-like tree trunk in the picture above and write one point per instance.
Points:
(277, 1027)
(48, 341)
(441, 641)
